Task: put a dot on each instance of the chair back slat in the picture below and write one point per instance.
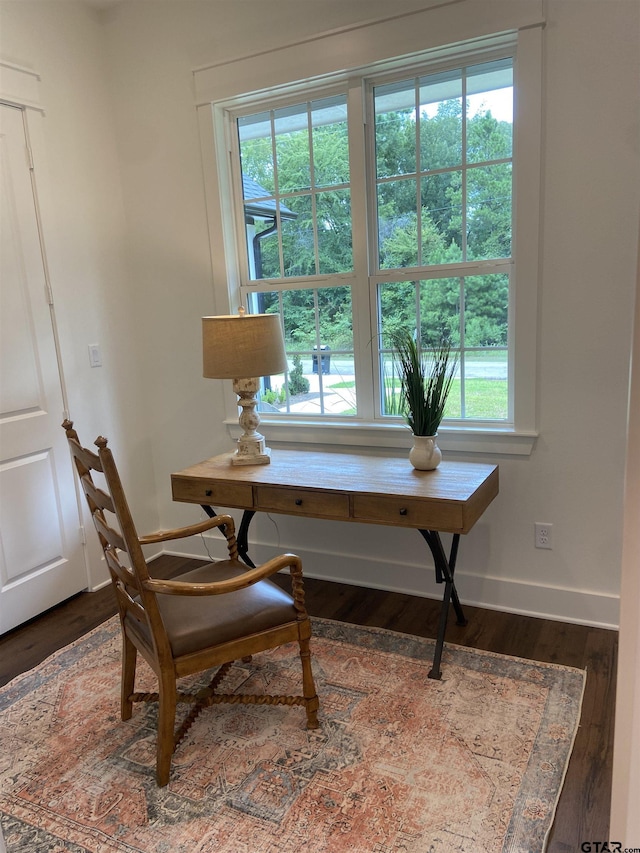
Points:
(88, 459)
(129, 605)
(93, 493)
(123, 573)
(111, 535)
(123, 513)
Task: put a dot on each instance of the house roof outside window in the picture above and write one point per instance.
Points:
(264, 207)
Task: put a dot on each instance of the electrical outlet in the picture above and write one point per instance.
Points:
(544, 535)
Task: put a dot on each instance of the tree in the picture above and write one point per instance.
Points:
(322, 244)
(298, 384)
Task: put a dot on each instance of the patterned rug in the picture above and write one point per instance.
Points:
(474, 762)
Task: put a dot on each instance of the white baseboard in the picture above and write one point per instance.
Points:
(583, 607)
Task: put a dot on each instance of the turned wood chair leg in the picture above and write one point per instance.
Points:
(167, 698)
(311, 703)
(129, 660)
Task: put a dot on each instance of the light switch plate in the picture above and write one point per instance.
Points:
(95, 355)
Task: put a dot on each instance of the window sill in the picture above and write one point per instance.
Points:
(370, 436)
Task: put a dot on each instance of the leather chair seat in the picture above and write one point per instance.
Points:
(195, 622)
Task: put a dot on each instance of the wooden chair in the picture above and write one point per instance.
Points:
(205, 618)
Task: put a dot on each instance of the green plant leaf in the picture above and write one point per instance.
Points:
(425, 381)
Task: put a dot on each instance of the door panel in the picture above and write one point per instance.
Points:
(30, 521)
(41, 554)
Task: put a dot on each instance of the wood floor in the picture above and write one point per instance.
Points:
(583, 810)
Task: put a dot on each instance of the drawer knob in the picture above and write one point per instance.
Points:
(298, 501)
(403, 511)
(208, 493)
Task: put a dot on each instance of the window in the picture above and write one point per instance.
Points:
(443, 151)
(441, 154)
(395, 196)
(296, 203)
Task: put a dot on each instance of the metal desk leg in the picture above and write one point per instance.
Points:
(242, 536)
(444, 572)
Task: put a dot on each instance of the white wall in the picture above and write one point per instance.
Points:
(122, 106)
(84, 225)
(590, 201)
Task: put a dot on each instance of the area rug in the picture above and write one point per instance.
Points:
(474, 762)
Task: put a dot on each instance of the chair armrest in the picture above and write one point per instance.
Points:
(248, 578)
(224, 521)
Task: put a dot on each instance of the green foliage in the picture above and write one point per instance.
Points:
(425, 382)
(423, 219)
(439, 301)
(335, 328)
(391, 398)
(274, 398)
(298, 384)
(333, 205)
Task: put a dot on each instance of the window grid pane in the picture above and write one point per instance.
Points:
(318, 332)
(295, 177)
(463, 144)
(451, 309)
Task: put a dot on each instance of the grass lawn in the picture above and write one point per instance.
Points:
(484, 398)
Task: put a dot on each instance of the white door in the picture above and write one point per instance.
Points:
(41, 553)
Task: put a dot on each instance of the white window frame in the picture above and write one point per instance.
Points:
(220, 88)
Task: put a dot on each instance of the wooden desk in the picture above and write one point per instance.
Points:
(352, 487)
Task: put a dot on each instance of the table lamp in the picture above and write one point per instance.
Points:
(244, 347)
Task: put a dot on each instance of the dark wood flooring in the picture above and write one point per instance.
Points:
(583, 810)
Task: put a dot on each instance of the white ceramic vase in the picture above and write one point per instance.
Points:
(425, 455)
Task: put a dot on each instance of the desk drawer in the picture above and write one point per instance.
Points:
(301, 502)
(215, 494)
(407, 512)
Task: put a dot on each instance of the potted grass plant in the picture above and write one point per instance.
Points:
(425, 383)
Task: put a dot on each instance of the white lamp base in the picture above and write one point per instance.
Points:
(260, 459)
(251, 444)
(251, 453)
